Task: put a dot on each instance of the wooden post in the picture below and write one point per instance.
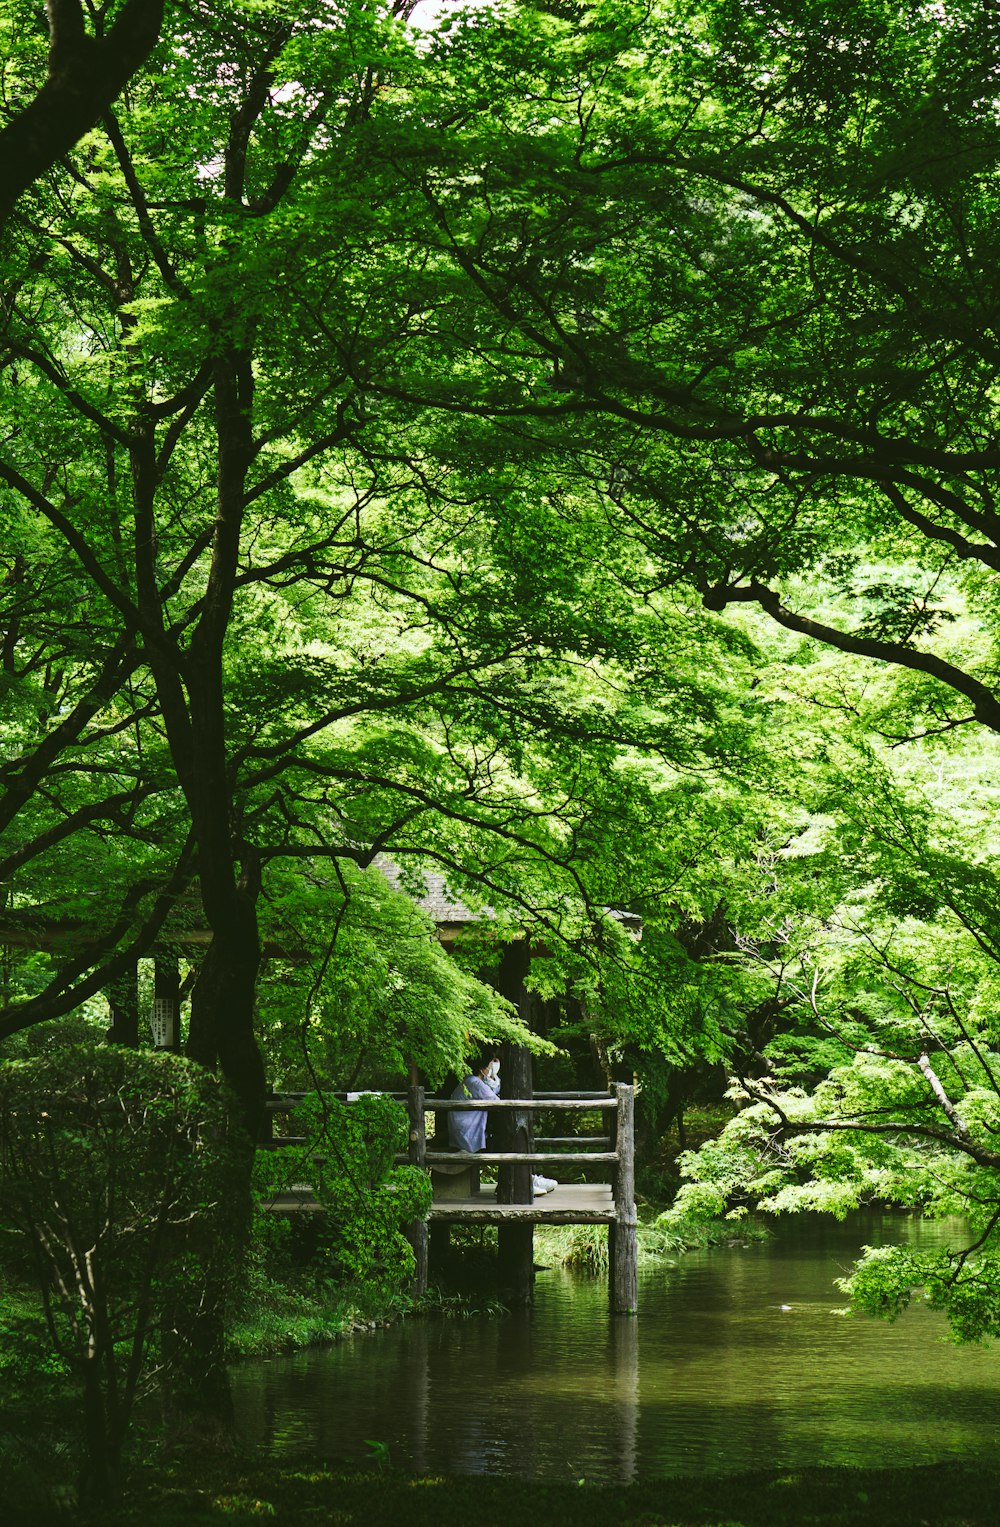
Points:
(440, 1240)
(416, 1230)
(623, 1248)
(516, 1243)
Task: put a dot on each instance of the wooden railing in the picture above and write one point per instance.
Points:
(619, 1104)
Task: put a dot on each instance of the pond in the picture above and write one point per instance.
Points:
(737, 1361)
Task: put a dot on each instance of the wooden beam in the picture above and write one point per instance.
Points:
(525, 1214)
(416, 1230)
(287, 1101)
(510, 1158)
(623, 1249)
(594, 1140)
(539, 1104)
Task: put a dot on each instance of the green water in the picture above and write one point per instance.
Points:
(736, 1361)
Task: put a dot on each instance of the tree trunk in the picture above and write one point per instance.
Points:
(221, 1032)
(197, 1394)
(100, 1473)
(123, 999)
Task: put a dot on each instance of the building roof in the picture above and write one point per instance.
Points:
(448, 910)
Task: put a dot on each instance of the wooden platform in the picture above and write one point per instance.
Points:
(586, 1203)
(571, 1203)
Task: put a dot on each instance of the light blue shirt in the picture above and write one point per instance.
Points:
(467, 1131)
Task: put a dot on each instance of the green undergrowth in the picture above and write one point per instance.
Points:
(947, 1495)
(39, 1409)
(273, 1319)
(584, 1248)
(29, 1370)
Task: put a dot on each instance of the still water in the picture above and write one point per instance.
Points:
(737, 1361)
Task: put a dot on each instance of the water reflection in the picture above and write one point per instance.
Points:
(736, 1361)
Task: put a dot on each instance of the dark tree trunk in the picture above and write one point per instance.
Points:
(123, 999)
(221, 1032)
(85, 75)
(220, 1035)
(197, 1395)
(100, 1474)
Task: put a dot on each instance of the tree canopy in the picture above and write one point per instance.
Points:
(554, 445)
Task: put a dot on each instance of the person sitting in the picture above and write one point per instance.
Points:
(467, 1129)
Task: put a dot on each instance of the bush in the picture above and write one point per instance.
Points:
(120, 1171)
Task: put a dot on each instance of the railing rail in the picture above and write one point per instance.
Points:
(287, 1102)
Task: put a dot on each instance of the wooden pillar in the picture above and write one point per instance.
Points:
(165, 1019)
(123, 1000)
(516, 1242)
(440, 1230)
(440, 1244)
(416, 1230)
(623, 1242)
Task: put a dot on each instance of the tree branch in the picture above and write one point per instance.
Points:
(85, 74)
(985, 703)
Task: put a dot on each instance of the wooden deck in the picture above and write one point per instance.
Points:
(571, 1203)
(610, 1203)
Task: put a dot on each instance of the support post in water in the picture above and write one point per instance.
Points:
(416, 1230)
(623, 1249)
(515, 1243)
(439, 1251)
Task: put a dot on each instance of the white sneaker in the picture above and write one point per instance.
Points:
(540, 1185)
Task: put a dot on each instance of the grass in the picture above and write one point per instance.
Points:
(273, 1318)
(254, 1492)
(584, 1248)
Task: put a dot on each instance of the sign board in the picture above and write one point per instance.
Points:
(163, 1022)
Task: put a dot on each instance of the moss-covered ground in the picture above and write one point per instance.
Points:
(210, 1496)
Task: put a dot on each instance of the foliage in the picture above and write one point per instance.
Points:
(417, 431)
(348, 1162)
(907, 1116)
(270, 618)
(382, 994)
(584, 1248)
(118, 1169)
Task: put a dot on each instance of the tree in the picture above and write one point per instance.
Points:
(735, 271)
(284, 619)
(118, 1168)
(879, 1083)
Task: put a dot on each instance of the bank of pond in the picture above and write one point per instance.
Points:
(249, 1492)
